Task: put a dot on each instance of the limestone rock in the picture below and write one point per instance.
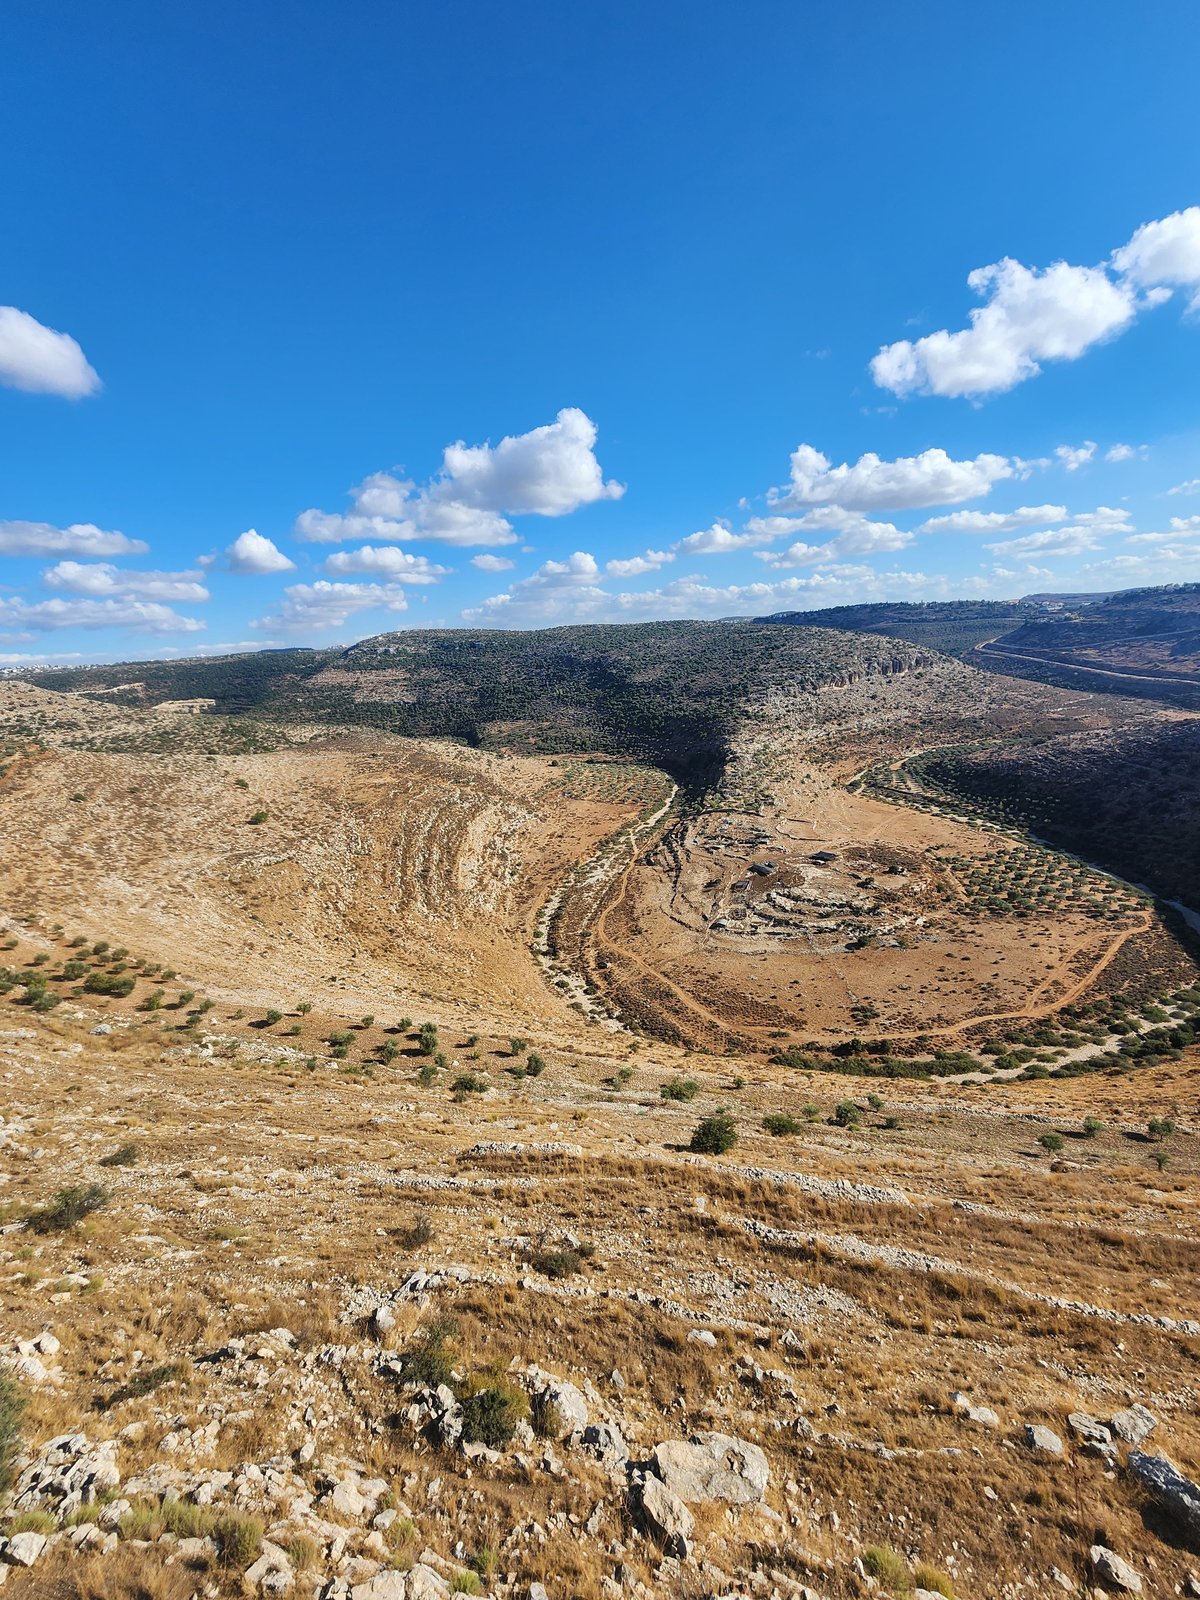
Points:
(1088, 1429)
(1133, 1424)
(1175, 1493)
(383, 1586)
(712, 1466)
(983, 1415)
(23, 1549)
(1043, 1441)
(1107, 1565)
(666, 1517)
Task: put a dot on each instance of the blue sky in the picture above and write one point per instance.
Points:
(512, 316)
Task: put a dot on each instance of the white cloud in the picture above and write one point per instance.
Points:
(253, 553)
(547, 472)
(1124, 452)
(932, 478)
(80, 539)
(487, 563)
(690, 596)
(317, 607)
(1056, 314)
(717, 540)
(41, 361)
(101, 579)
(859, 536)
(1185, 524)
(635, 566)
(386, 561)
(1075, 456)
(1050, 542)
(1028, 317)
(143, 616)
(1192, 486)
(1164, 254)
(995, 521)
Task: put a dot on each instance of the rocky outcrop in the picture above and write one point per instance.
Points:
(1177, 1495)
(712, 1466)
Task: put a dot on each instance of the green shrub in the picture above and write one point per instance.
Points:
(272, 1017)
(125, 1155)
(12, 1407)
(847, 1114)
(1091, 1127)
(467, 1582)
(68, 1207)
(535, 1064)
(428, 1361)
(109, 983)
(491, 1415)
(714, 1135)
(779, 1123)
(31, 1522)
(882, 1562)
(1053, 1142)
(934, 1580)
(517, 1045)
(257, 818)
(238, 1538)
(1161, 1127)
(680, 1089)
(557, 1263)
(469, 1083)
(419, 1232)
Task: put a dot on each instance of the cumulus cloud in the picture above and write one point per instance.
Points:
(252, 553)
(932, 478)
(490, 563)
(80, 539)
(720, 539)
(994, 521)
(1075, 456)
(1124, 452)
(103, 579)
(547, 472)
(318, 607)
(143, 616)
(386, 561)
(1164, 254)
(1192, 486)
(858, 536)
(1031, 315)
(635, 566)
(1028, 317)
(40, 360)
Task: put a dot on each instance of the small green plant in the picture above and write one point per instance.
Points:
(847, 1114)
(272, 1017)
(125, 1155)
(1091, 1127)
(419, 1232)
(468, 1582)
(68, 1207)
(517, 1046)
(257, 818)
(469, 1083)
(535, 1064)
(109, 983)
(680, 1089)
(779, 1123)
(31, 1522)
(154, 1000)
(714, 1135)
(491, 1414)
(557, 1263)
(428, 1361)
(12, 1408)
(1053, 1142)
(1160, 1159)
(1161, 1127)
(304, 1008)
(933, 1580)
(876, 1102)
(238, 1538)
(882, 1562)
